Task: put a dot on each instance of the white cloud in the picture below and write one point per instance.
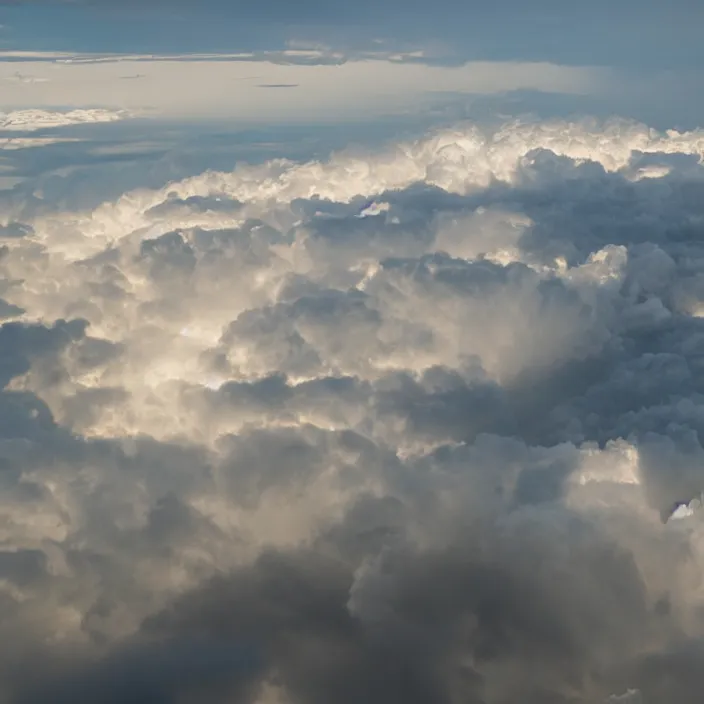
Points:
(427, 410)
(32, 120)
(631, 695)
(12, 143)
(35, 120)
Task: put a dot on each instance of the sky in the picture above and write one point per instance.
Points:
(351, 352)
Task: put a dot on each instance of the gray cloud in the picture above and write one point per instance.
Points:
(634, 34)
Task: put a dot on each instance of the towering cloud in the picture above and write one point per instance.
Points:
(416, 426)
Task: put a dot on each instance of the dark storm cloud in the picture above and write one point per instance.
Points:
(471, 619)
(153, 674)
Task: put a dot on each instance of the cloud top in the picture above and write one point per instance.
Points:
(414, 425)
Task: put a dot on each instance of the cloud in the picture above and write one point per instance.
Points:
(13, 143)
(354, 75)
(26, 122)
(642, 36)
(420, 424)
(330, 85)
(33, 120)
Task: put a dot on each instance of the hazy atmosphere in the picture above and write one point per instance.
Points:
(350, 353)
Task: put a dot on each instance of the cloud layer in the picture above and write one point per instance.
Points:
(32, 120)
(329, 85)
(17, 128)
(422, 425)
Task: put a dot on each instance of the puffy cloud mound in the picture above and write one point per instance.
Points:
(419, 426)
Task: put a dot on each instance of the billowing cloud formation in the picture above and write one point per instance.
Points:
(415, 426)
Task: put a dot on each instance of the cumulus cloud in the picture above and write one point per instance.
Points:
(418, 425)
